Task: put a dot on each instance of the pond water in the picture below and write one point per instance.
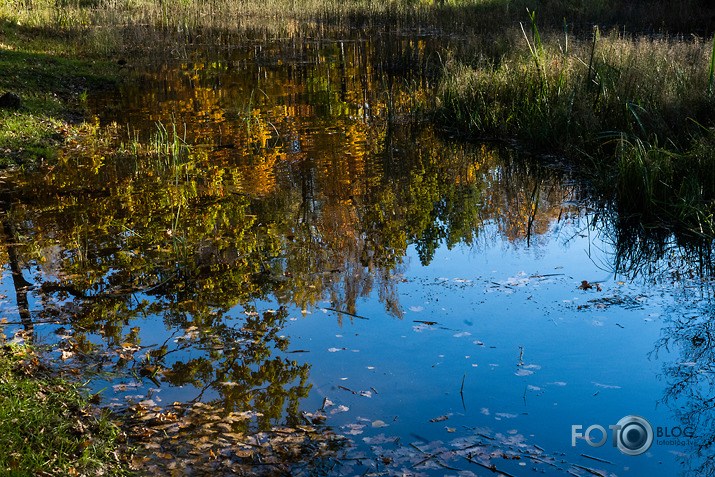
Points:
(284, 241)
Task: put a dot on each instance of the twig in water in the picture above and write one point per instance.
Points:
(596, 458)
(447, 467)
(492, 467)
(347, 313)
(594, 472)
(418, 448)
(429, 457)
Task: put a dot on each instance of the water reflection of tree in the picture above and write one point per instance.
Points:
(690, 392)
(305, 183)
(20, 284)
(131, 243)
(652, 249)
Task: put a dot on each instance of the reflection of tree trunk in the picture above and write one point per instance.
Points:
(307, 184)
(21, 285)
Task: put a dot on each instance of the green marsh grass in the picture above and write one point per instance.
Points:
(637, 110)
(550, 96)
(108, 26)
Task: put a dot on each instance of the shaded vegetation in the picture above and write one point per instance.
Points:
(184, 227)
(52, 88)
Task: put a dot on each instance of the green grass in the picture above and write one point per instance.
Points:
(41, 66)
(125, 22)
(577, 98)
(46, 425)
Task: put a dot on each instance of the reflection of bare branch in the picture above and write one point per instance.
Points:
(691, 384)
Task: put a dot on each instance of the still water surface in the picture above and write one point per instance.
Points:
(298, 240)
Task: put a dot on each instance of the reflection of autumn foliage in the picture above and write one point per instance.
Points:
(188, 241)
(297, 182)
(244, 374)
(524, 200)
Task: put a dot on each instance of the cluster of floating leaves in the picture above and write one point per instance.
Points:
(201, 439)
(468, 455)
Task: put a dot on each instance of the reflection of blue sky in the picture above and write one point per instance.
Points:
(489, 302)
(587, 366)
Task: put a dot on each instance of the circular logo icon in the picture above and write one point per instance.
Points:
(634, 435)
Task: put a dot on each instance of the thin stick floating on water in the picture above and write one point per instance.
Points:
(446, 466)
(347, 313)
(594, 472)
(493, 469)
(596, 458)
(418, 447)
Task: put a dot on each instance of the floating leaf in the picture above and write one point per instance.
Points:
(338, 409)
(585, 285)
(354, 429)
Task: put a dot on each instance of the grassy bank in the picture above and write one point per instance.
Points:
(46, 425)
(122, 21)
(49, 73)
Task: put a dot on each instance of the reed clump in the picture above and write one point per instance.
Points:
(580, 94)
(636, 111)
